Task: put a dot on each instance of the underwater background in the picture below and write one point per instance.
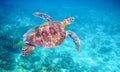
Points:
(97, 24)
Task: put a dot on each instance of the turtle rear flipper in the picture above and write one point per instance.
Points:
(75, 39)
(43, 15)
(19, 44)
(27, 49)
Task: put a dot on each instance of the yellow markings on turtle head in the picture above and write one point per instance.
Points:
(65, 23)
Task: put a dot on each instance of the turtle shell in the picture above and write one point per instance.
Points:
(48, 35)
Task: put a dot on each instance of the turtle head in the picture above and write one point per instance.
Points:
(67, 20)
(27, 49)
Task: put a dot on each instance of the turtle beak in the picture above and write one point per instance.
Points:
(70, 19)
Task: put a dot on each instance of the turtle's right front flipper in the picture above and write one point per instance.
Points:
(43, 15)
(75, 39)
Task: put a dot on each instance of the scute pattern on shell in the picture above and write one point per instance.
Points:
(48, 35)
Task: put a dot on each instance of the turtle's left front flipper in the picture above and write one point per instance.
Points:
(43, 15)
(75, 39)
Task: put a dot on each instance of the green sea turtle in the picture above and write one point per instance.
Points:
(48, 34)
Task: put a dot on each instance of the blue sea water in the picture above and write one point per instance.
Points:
(97, 24)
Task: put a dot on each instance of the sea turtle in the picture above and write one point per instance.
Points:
(48, 34)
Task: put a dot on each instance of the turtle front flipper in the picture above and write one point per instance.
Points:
(27, 49)
(75, 39)
(43, 15)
